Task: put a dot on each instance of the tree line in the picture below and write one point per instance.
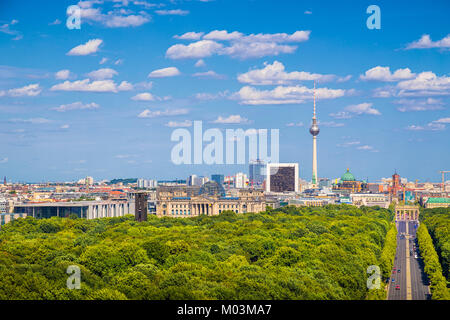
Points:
(306, 253)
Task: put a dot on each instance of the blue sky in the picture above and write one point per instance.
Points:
(85, 101)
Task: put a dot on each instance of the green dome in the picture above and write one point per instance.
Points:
(348, 176)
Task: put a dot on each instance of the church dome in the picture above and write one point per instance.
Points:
(348, 176)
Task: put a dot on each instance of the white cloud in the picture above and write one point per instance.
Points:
(331, 124)
(246, 50)
(65, 126)
(241, 46)
(341, 115)
(275, 74)
(175, 124)
(89, 47)
(284, 95)
(425, 42)
(32, 120)
(176, 12)
(365, 147)
(114, 18)
(200, 63)
(102, 74)
(145, 96)
(431, 126)
(76, 106)
(443, 120)
(209, 74)
(292, 124)
(307, 12)
(30, 90)
(4, 160)
(363, 108)
(384, 74)
(223, 35)
(94, 86)
(419, 105)
(348, 144)
(103, 60)
(118, 62)
(165, 72)
(56, 22)
(232, 119)
(62, 74)
(190, 36)
(211, 96)
(199, 49)
(169, 112)
(425, 83)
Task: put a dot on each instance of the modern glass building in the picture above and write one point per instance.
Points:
(257, 171)
(219, 178)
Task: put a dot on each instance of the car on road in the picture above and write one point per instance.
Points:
(397, 287)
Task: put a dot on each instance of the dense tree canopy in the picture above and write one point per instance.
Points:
(288, 253)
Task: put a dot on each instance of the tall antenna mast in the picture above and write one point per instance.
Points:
(314, 114)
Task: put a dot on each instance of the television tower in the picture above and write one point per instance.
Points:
(314, 130)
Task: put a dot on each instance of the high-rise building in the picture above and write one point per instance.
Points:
(140, 206)
(314, 130)
(240, 180)
(195, 180)
(282, 177)
(219, 178)
(257, 172)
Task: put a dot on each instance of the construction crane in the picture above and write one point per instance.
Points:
(443, 179)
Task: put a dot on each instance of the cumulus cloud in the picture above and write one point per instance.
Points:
(102, 74)
(239, 45)
(199, 49)
(275, 74)
(363, 108)
(419, 105)
(208, 74)
(293, 124)
(169, 112)
(190, 36)
(116, 18)
(384, 74)
(425, 42)
(175, 124)
(232, 119)
(145, 96)
(200, 63)
(94, 86)
(443, 120)
(89, 47)
(30, 90)
(284, 95)
(425, 83)
(76, 106)
(176, 12)
(165, 72)
(62, 74)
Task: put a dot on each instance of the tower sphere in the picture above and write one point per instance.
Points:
(314, 130)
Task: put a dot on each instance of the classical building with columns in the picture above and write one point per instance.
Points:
(182, 202)
(407, 212)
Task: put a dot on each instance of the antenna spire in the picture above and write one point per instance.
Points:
(314, 115)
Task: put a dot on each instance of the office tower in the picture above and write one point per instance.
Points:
(140, 206)
(282, 177)
(314, 130)
(257, 171)
(219, 178)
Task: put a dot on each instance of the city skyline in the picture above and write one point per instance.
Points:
(103, 100)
